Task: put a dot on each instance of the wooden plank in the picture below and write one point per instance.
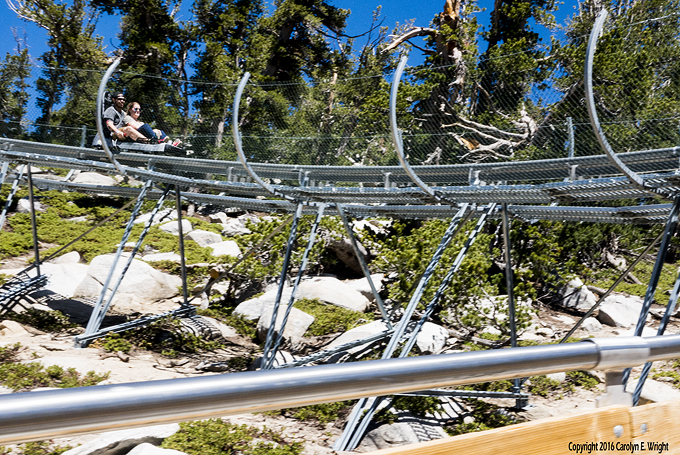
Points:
(557, 435)
(655, 427)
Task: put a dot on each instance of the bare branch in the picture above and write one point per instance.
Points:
(416, 31)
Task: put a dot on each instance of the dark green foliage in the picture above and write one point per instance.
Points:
(418, 406)
(114, 342)
(322, 414)
(10, 353)
(47, 321)
(582, 379)
(216, 437)
(27, 376)
(330, 318)
(35, 448)
(486, 415)
(543, 386)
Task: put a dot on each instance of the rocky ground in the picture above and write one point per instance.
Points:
(74, 284)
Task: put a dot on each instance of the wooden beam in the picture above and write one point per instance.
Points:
(610, 430)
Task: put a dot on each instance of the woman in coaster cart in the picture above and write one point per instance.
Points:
(131, 119)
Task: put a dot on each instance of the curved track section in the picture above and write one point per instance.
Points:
(592, 111)
(98, 114)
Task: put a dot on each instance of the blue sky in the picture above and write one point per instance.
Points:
(394, 11)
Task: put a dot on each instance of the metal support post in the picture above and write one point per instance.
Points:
(520, 403)
(10, 197)
(3, 171)
(282, 282)
(349, 435)
(615, 390)
(570, 131)
(669, 230)
(670, 309)
(100, 309)
(303, 265)
(362, 264)
(183, 264)
(34, 226)
(83, 135)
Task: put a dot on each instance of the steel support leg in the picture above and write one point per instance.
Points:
(349, 434)
(282, 283)
(520, 403)
(291, 301)
(183, 264)
(34, 226)
(10, 197)
(362, 264)
(670, 308)
(669, 230)
(99, 310)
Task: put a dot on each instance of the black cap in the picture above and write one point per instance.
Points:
(117, 94)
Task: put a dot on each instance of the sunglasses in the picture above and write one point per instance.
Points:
(120, 99)
(136, 110)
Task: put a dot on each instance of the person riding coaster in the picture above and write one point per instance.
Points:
(130, 137)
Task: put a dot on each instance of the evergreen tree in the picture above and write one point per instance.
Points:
(14, 71)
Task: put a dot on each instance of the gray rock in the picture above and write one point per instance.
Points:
(545, 332)
(150, 449)
(344, 251)
(577, 296)
(142, 283)
(72, 257)
(204, 238)
(559, 377)
(618, 310)
(173, 228)
(296, 326)
(591, 325)
(93, 178)
(432, 338)
(281, 358)
(170, 256)
(387, 436)
(235, 226)
(24, 206)
(654, 391)
(161, 217)
(253, 308)
(225, 248)
(334, 292)
(121, 442)
(358, 333)
(362, 285)
(219, 217)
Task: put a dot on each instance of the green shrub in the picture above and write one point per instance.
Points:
(47, 321)
(216, 437)
(114, 342)
(322, 414)
(486, 415)
(543, 386)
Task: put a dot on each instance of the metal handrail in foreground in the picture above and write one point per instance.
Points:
(56, 413)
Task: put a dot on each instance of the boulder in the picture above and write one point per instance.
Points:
(121, 442)
(235, 226)
(150, 449)
(619, 310)
(432, 338)
(591, 325)
(173, 228)
(24, 206)
(345, 253)
(219, 217)
(93, 178)
(10, 328)
(358, 333)
(142, 283)
(170, 256)
(252, 309)
(389, 435)
(363, 286)
(577, 296)
(225, 248)
(72, 257)
(204, 238)
(654, 391)
(296, 326)
(161, 217)
(334, 292)
(64, 278)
